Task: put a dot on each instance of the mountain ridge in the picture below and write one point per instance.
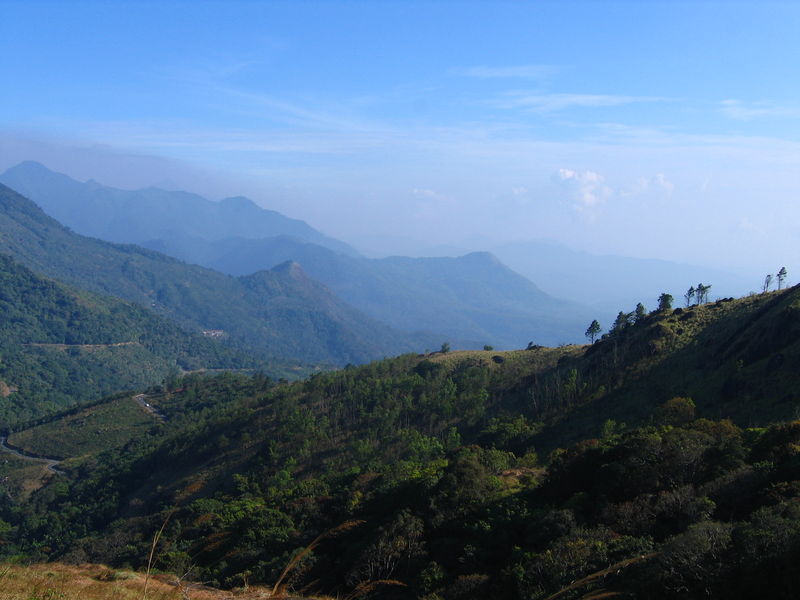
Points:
(117, 215)
(474, 298)
(199, 298)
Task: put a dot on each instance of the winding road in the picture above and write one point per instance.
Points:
(51, 463)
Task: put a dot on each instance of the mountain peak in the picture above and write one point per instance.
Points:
(292, 269)
(29, 167)
(482, 258)
(30, 164)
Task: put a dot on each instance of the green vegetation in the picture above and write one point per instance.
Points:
(104, 425)
(659, 462)
(60, 346)
(665, 301)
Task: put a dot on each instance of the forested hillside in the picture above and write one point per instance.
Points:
(659, 462)
(268, 312)
(61, 346)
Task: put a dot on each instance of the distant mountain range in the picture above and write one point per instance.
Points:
(470, 300)
(133, 216)
(279, 313)
(472, 297)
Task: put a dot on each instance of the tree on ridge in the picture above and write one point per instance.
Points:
(593, 330)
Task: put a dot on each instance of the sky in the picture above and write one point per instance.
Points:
(651, 129)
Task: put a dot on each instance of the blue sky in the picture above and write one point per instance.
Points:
(667, 130)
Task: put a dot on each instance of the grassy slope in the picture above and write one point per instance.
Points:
(88, 431)
(736, 359)
(96, 582)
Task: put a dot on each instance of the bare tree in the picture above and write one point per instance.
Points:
(767, 282)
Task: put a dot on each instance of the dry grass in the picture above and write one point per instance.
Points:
(594, 577)
(279, 590)
(55, 581)
(540, 357)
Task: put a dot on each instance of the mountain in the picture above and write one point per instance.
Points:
(132, 216)
(277, 313)
(471, 300)
(473, 297)
(659, 462)
(61, 346)
(612, 283)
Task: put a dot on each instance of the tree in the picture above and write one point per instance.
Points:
(639, 313)
(621, 322)
(701, 293)
(689, 295)
(665, 302)
(445, 348)
(593, 330)
(781, 277)
(767, 282)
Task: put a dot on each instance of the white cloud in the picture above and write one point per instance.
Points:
(424, 193)
(657, 184)
(513, 71)
(741, 111)
(556, 102)
(586, 190)
(746, 224)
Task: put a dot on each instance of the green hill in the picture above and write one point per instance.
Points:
(61, 346)
(267, 312)
(509, 475)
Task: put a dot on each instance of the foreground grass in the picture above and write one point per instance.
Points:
(55, 581)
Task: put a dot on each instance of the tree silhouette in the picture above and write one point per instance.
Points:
(689, 295)
(767, 282)
(665, 301)
(701, 293)
(621, 322)
(639, 313)
(593, 330)
(781, 277)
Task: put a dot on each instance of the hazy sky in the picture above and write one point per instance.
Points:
(667, 130)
